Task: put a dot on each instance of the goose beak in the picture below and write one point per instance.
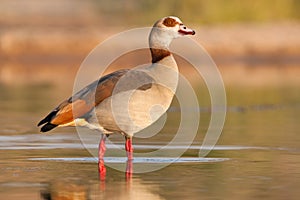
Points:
(185, 31)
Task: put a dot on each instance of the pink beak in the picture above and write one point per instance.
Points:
(186, 31)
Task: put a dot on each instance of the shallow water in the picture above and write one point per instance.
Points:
(257, 155)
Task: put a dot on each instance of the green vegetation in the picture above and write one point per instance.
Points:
(210, 12)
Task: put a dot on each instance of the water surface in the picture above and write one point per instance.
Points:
(257, 155)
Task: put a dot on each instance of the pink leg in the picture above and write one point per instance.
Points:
(129, 170)
(102, 147)
(129, 151)
(101, 152)
(101, 170)
(129, 148)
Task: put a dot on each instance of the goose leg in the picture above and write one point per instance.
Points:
(102, 147)
(129, 148)
(129, 170)
(101, 170)
(101, 152)
(129, 151)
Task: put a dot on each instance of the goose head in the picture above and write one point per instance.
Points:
(167, 29)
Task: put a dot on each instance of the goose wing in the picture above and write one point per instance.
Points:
(86, 99)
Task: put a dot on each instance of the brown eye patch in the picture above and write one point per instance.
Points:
(170, 22)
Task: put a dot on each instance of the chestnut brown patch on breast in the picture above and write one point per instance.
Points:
(159, 54)
(170, 22)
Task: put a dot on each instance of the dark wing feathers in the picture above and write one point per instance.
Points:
(47, 118)
(48, 127)
(86, 99)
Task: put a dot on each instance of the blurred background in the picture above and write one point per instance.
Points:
(255, 44)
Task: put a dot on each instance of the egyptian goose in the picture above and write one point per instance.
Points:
(126, 101)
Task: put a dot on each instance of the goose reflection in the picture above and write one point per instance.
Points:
(66, 189)
(102, 170)
(81, 189)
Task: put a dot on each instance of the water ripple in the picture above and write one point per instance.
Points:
(136, 159)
